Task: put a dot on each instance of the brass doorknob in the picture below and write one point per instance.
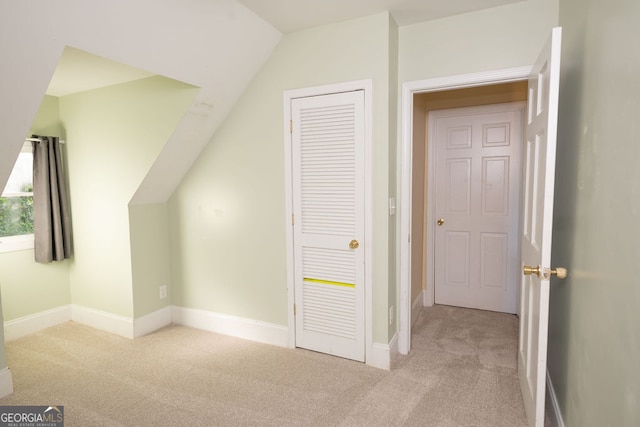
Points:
(545, 273)
(354, 244)
(528, 270)
(560, 272)
(440, 221)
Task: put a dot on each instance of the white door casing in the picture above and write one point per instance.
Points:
(538, 187)
(328, 220)
(409, 89)
(477, 200)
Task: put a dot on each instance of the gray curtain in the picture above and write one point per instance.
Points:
(51, 216)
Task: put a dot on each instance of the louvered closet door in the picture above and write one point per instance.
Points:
(328, 198)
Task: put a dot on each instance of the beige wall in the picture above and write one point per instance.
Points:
(419, 197)
(423, 104)
(594, 332)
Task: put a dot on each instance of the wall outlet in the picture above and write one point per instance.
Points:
(390, 315)
(163, 291)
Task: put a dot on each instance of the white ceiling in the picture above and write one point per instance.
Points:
(294, 15)
(80, 71)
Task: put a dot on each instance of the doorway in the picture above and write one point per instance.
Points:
(416, 283)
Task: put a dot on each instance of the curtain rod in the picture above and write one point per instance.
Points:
(39, 140)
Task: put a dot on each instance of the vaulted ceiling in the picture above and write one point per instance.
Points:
(294, 15)
(68, 50)
(79, 71)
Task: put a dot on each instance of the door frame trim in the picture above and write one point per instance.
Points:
(288, 96)
(409, 89)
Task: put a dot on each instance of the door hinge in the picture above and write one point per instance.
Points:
(292, 219)
(290, 126)
(294, 309)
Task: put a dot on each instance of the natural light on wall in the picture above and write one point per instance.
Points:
(16, 205)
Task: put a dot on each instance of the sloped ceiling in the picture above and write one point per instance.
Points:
(79, 71)
(293, 15)
(217, 46)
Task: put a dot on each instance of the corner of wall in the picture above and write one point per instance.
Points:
(6, 379)
(6, 382)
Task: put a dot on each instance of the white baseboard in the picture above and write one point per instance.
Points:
(6, 382)
(428, 298)
(417, 305)
(383, 355)
(151, 322)
(119, 325)
(103, 320)
(17, 328)
(554, 414)
(253, 330)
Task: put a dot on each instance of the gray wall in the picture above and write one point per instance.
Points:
(594, 335)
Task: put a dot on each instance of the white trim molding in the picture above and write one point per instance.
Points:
(379, 355)
(18, 328)
(253, 330)
(383, 355)
(119, 325)
(152, 322)
(409, 89)
(555, 414)
(6, 382)
(16, 243)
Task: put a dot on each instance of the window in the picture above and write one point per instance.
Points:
(16, 205)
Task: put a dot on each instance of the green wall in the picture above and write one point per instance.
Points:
(490, 39)
(393, 291)
(114, 135)
(121, 253)
(150, 256)
(594, 333)
(28, 287)
(228, 214)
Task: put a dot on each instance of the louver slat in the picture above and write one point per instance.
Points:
(329, 309)
(327, 170)
(329, 264)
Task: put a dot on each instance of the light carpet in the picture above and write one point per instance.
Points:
(461, 372)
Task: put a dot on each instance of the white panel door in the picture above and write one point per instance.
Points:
(477, 199)
(539, 174)
(328, 205)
